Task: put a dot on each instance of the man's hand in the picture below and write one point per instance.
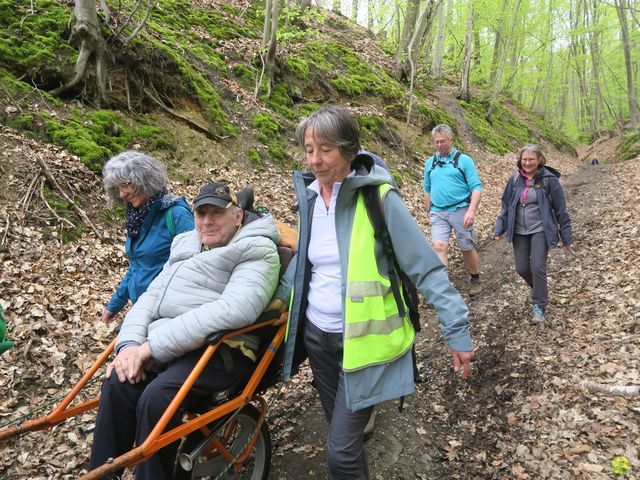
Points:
(469, 218)
(462, 360)
(130, 363)
(280, 306)
(107, 316)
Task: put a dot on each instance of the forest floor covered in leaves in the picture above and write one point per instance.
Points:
(525, 413)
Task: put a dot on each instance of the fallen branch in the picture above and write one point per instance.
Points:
(27, 198)
(631, 390)
(47, 173)
(58, 217)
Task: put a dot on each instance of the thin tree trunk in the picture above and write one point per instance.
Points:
(498, 42)
(438, 48)
(498, 81)
(425, 22)
(463, 92)
(634, 112)
(355, 6)
(405, 37)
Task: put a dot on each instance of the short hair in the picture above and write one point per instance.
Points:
(443, 129)
(335, 125)
(532, 147)
(146, 175)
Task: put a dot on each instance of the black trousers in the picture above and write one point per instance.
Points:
(128, 413)
(346, 455)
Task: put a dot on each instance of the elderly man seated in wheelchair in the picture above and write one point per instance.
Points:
(218, 277)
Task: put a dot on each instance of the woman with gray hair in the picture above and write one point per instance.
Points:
(153, 216)
(533, 217)
(344, 315)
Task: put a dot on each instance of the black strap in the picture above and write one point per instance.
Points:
(227, 359)
(381, 233)
(456, 157)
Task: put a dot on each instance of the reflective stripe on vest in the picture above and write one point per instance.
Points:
(374, 332)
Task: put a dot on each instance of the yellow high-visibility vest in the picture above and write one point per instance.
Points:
(374, 332)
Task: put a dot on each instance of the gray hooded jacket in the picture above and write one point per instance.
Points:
(202, 292)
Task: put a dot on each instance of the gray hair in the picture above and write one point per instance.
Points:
(146, 175)
(334, 125)
(443, 129)
(532, 147)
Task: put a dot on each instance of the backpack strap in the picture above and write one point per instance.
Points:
(168, 217)
(456, 163)
(373, 204)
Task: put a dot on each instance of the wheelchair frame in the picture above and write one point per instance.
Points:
(158, 439)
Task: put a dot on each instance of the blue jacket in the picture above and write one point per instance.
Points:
(148, 253)
(555, 219)
(415, 256)
(448, 187)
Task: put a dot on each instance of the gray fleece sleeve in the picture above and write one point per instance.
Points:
(419, 261)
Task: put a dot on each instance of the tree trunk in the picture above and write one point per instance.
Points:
(498, 81)
(425, 22)
(336, 6)
(355, 5)
(463, 93)
(634, 112)
(86, 33)
(408, 30)
(498, 42)
(269, 45)
(438, 48)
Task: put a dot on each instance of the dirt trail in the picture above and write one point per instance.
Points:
(520, 413)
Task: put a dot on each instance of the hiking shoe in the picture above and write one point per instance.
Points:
(475, 288)
(538, 315)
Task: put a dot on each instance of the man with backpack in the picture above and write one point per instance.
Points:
(452, 192)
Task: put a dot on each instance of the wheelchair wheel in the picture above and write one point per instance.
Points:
(235, 436)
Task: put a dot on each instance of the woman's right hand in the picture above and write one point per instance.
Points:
(498, 237)
(107, 316)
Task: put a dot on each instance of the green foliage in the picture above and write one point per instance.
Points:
(298, 66)
(23, 121)
(245, 74)
(505, 133)
(269, 134)
(397, 176)
(629, 148)
(370, 123)
(553, 134)
(32, 42)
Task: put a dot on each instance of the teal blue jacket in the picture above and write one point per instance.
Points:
(450, 188)
(148, 253)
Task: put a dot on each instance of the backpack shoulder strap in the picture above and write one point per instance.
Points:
(168, 217)
(456, 157)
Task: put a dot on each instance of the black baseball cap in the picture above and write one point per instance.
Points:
(216, 193)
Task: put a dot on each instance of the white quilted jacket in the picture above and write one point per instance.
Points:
(200, 293)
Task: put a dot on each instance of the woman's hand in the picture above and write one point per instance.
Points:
(498, 237)
(130, 364)
(107, 316)
(567, 246)
(462, 360)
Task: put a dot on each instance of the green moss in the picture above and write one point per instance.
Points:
(34, 42)
(245, 74)
(280, 101)
(299, 67)
(505, 134)
(552, 134)
(629, 148)
(397, 176)
(255, 159)
(369, 122)
(270, 134)
(435, 115)
(203, 89)
(96, 136)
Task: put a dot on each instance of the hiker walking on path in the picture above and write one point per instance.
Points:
(153, 216)
(533, 216)
(343, 314)
(452, 192)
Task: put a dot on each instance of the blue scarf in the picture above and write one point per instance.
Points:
(136, 216)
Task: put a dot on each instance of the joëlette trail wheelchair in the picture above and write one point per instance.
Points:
(228, 439)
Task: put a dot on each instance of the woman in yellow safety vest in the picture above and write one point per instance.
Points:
(343, 314)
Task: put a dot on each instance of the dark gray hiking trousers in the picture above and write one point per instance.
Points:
(345, 445)
(531, 264)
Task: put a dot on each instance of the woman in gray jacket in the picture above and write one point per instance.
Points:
(342, 315)
(533, 216)
(218, 277)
